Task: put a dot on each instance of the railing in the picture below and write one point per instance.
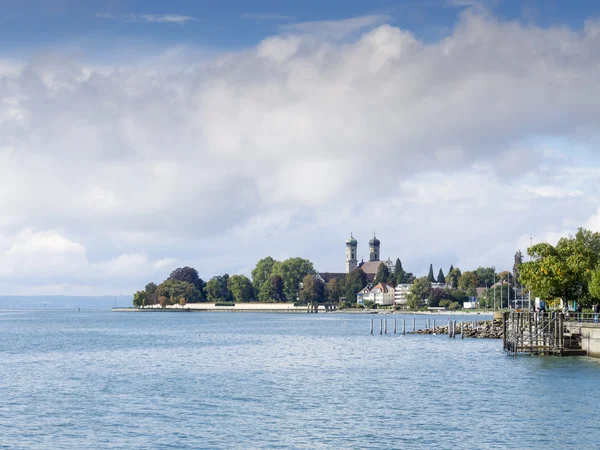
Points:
(533, 332)
(582, 317)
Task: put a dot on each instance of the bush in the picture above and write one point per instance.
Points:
(230, 304)
(454, 305)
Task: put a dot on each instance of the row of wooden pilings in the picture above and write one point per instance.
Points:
(383, 326)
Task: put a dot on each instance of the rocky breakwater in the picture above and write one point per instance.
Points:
(480, 329)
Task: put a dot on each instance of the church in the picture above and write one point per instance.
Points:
(370, 267)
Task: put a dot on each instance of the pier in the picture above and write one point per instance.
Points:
(541, 333)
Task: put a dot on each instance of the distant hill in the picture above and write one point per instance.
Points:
(62, 301)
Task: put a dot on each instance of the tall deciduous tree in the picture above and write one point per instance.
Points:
(485, 276)
(174, 291)
(441, 278)
(241, 288)
(419, 293)
(383, 274)
(151, 297)
(292, 271)
(139, 298)
(312, 291)
(217, 289)
(277, 289)
(189, 275)
(334, 290)
(261, 278)
(468, 283)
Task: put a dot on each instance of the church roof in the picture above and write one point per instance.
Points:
(370, 267)
(328, 276)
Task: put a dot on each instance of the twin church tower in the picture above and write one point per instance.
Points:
(351, 258)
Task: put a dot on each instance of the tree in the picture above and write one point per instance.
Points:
(450, 269)
(261, 278)
(313, 290)
(189, 275)
(453, 277)
(437, 295)
(355, 281)
(594, 284)
(334, 289)
(174, 290)
(292, 271)
(241, 288)
(486, 276)
(139, 299)
(430, 277)
(468, 283)
(383, 274)
(217, 289)
(441, 278)
(277, 289)
(151, 297)
(399, 274)
(419, 292)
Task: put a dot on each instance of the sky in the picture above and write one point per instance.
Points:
(141, 136)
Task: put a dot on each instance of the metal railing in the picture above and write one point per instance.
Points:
(533, 332)
(582, 317)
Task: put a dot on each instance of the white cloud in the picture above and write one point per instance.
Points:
(149, 18)
(283, 148)
(266, 16)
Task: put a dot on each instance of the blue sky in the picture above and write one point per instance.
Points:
(140, 136)
(98, 26)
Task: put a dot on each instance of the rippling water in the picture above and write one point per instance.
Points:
(221, 380)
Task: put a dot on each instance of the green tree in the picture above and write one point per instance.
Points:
(217, 289)
(441, 278)
(292, 271)
(139, 299)
(151, 297)
(277, 289)
(419, 293)
(241, 288)
(450, 270)
(313, 290)
(453, 277)
(436, 296)
(468, 283)
(174, 290)
(334, 290)
(485, 276)
(189, 275)
(261, 278)
(383, 274)
(399, 274)
(594, 284)
(431, 277)
(355, 281)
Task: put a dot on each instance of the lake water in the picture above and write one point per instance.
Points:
(74, 380)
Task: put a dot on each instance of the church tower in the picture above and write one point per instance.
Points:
(351, 261)
(374, 249)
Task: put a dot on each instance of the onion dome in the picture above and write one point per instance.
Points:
(351, 242)
(374, 242)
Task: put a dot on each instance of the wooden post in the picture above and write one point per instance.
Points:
(462, 329)
(433, 324)
(385, 326)
(561, 334)
(414, 324)
(449, 328)
(403, 326)
(371, 326)
(454, 330)
(394, 326)
(530, 333)
(504, 326)
(380, 326)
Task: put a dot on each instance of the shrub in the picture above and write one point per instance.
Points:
(230, 304)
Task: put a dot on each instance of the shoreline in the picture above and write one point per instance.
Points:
(288, 308)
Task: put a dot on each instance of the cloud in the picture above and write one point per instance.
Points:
(444, 148)
(266, 16)
(335, 28)
(149, 18)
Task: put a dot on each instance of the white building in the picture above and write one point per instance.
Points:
(401, 292)
(382, 294)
